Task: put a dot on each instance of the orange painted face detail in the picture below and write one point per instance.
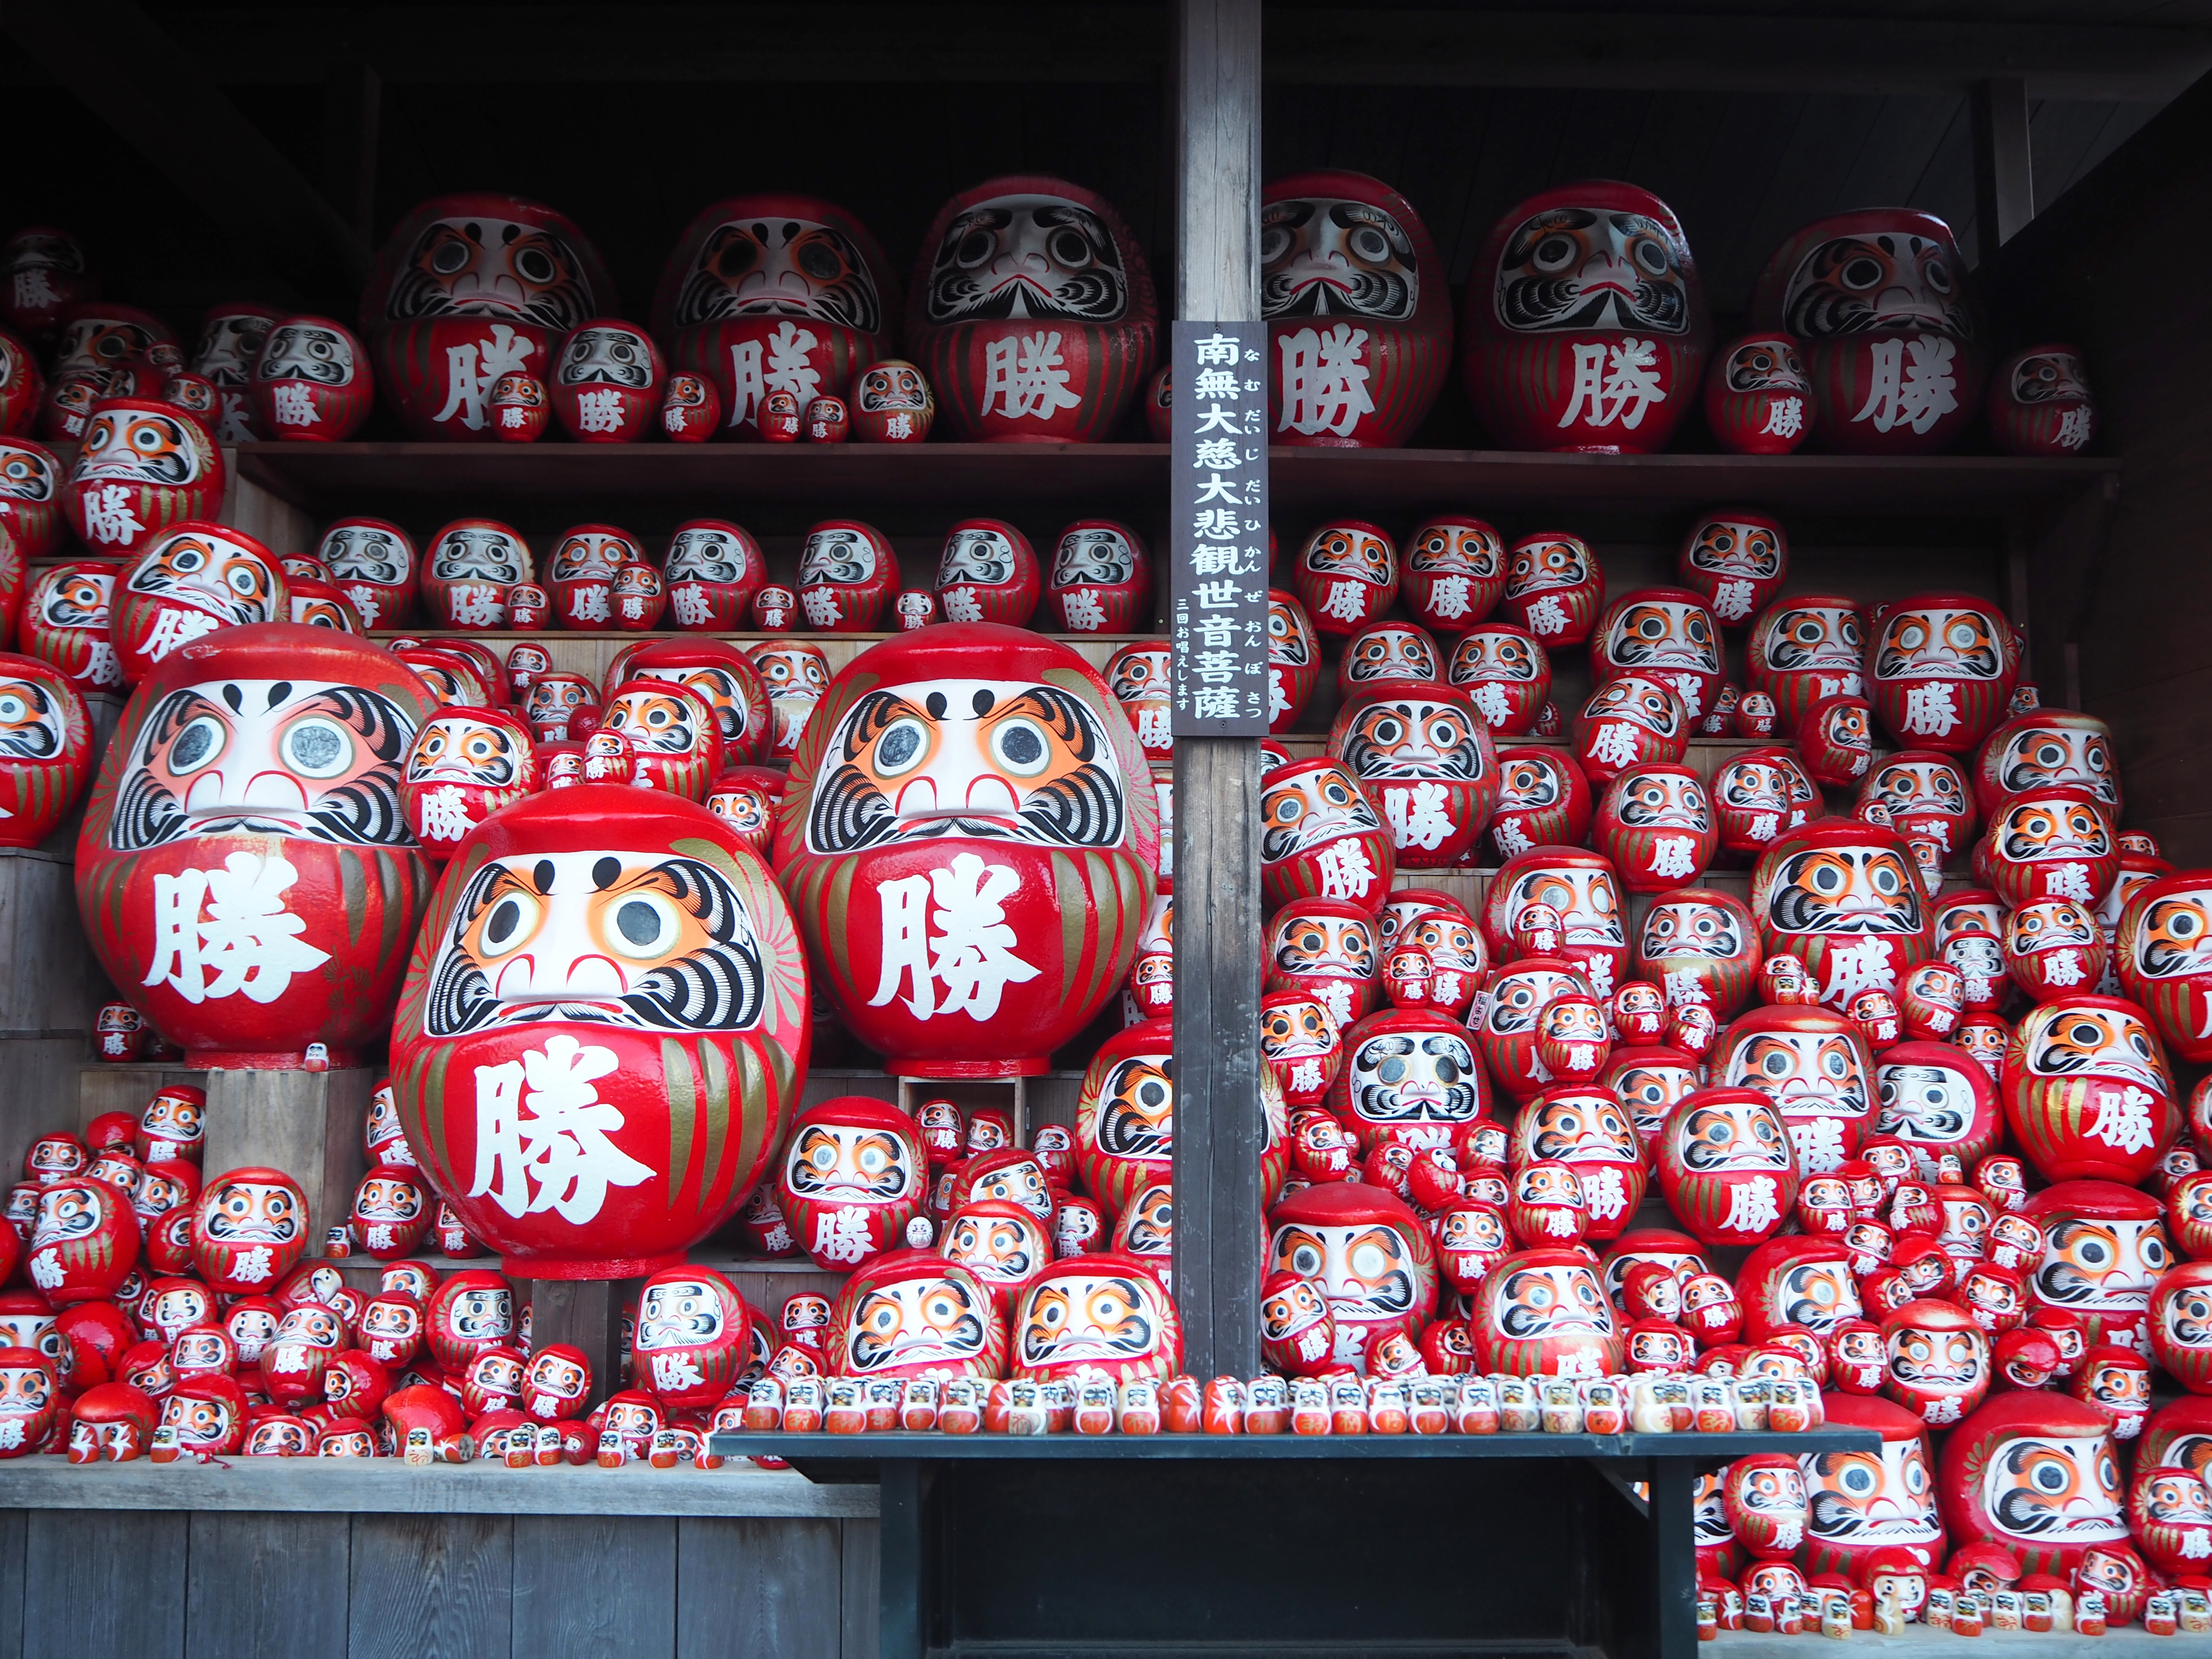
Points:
(139, 446)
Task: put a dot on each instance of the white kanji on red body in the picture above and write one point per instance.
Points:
(962, 941)
(1025, 377)
(1324, 382)
(218, 932)
(542, 1133)
(1931, 710)
(1912, 383)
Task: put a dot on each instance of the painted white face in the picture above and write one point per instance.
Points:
(2064, 1040)
(1330, 256)
(1588, 906)
(229, 346)
(1333, 946)
(984, 557)
(1309, 807)
(1648, 635)
(646, 939)
(1100, 558)
(483, 1313)
(1864, 1500)
(384, 1198)
(209, 573)
(137, 445)
(1939, 643)
(1542, 565)
(479, 553)
(73, 1211)
(1663, 800)
(1730, 1134)
(31, 721)
(1005, 760)
(1806, 1074)
(846, 1164)
(706, 556)
(460, 748)
(776, 266)
(1736, 547)
(253, 1212)
(1407, 1078)
(590, 555)
(1028, 257)
(1365, 1269)
(1685, 927)
(917, 1321)
(1593, 268)
(839, 556)
(1519, 998)
(2048, 1490)
(306, 351)
(1931, 1105)
(478, 266)
(283, 757)
(1001, 1250)
(1492, 654)
(1535, 1304)
(2097, 1263)
(1102, 1318)
(606, 356)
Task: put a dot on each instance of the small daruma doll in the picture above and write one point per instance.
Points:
(1699, 945)
(623, 950)
(2106, 1248)
(987, 572)
(45, 748)
(1884, 314)
(1842, 896)
(848, 574)
(1371, 1256)
(1346, 577)
(1506, 671)
(1736, 560)
(250, 1228)
(472, 566)
(1586, 325)
(1101, 1311)
(1005, 267)
(1655, 823)
(1941, 669)
(1664, 633)
(1553, 587)
(983, 773)
(1321, 837)
(312, 382)
(1349, 278)
(2164, 958)
(465, 765)
(187, 582)
(1425, 755)
(1803, 648)
(714, 569)
(1757, 396)
(2039, 403)
(1100, 581)
(144, 467)
(1726, 1166)
(911, 1314)
(1543, 1313)
(852, 1178)
(606, 382)
(244, 870)
(1455, 572)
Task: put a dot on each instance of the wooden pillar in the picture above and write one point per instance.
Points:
(1218, 916)
(307, 1124)
(2004, 170)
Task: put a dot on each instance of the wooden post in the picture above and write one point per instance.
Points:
(2004, 169)
(307, 1124)
(1219, 1126)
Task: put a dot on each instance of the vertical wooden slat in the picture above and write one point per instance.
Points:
(863, 1570)
(2005, 172)
(270, 1585)
(757, 1587)
(587, 1314)
(1218, 1127)
(105, 1582)
(595, 1586)
(306, 1123)
(14, 1529)
(426, 1585)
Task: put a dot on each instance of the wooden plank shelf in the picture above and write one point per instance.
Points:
(975, 478)
(380, 1486)
(1920, 1642)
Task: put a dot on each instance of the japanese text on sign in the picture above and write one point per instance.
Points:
(1217, 606)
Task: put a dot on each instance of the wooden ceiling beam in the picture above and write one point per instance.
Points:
(1382, 45)
(136, 78)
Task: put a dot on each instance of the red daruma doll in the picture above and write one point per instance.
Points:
(969, 840)
(245, 871)
(1031, 312)
(602, 1027)
(1586, 325)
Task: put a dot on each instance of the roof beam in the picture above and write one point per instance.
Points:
(132, 75)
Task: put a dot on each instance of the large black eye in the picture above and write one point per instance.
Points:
(535, 265)
(508, 918)
(452, 256)
(1069, 247)
(196, 745)
(1554, 254)
(1862, 273)
(1652, 257)
(820, 261)
(974, 248)
(1369, 244)
(899, 749)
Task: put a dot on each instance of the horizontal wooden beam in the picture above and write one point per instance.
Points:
(1403, 46)
(133, 75)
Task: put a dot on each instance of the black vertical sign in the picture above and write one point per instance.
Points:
(1218, 614)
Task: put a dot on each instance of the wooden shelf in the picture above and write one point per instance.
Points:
(339, 1485)
(980, 477)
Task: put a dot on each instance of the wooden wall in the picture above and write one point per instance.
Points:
(141, 1584)
(2118, 266)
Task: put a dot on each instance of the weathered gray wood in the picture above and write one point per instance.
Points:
(1219, 1126)
(267, 1585)
(97, 1581)
(15, 1531)
(585, 1313)
(424, 1586)
(758, 1586)
(863, 1586)
(2004, 167)
(38, 1091)
(591, 1589)
(102, 1086)
(59, 986)
(387, 1486)
(307, 1124)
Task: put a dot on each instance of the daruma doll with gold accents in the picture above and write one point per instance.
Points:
(2164, 958)
(604, 1026)
(969, 840)
(2087, 1090)
(912, 1313)
(1842, 896)
(45, 748)
(1941, 669)
(144, 466)
(245, 871)
(1424, 755)
(1586, 324)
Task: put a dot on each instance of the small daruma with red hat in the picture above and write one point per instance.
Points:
(1369, 1254)
(1842, 896)
(1941, 669)
(2087, 1090)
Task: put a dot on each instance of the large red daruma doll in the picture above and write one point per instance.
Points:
(774, 293)
(1940, 670)
(2033, 1472)
(1887, 326)
(469, 288)
(1032, 312)
(969, 840)
(2087, 1090)
(604, 1025)
(244, 872)
(1586, 325)
(1843, 896)
(2164, 958)
(1859, 1502)
(1357, 308)
(1425, 757)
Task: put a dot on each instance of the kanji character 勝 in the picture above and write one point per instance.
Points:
(542, 1133)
